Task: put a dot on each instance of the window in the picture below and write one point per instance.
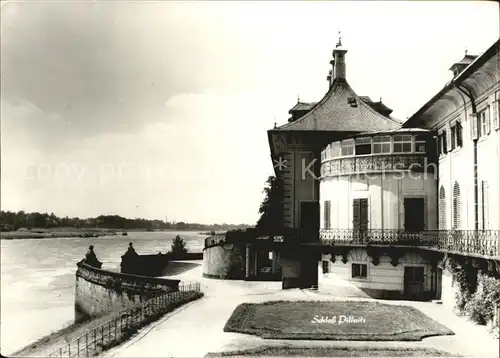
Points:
(363, 146)
(420, 143)
(442, 145)
(335, 149)
(348, 147)
(326, 213)
(483, 127)
(456, 206)
(382, 144)
(442, 209)
(359, 271)
(402, 143)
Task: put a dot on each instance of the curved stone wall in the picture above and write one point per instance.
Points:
(224, 261)
(98, 292)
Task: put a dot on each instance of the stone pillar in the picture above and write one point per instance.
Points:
(255, 260)
(247, 261)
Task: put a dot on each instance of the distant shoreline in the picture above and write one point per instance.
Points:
(76, 233)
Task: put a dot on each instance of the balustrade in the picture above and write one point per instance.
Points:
(480, 242)
(375, 163)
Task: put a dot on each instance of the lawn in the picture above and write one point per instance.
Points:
(333, 352)
(370, 321)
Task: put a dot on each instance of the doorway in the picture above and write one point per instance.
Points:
(414, 214)
(309, 215)
(414, 281)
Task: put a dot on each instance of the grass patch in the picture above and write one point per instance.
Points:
(294, 320)
(334, 352)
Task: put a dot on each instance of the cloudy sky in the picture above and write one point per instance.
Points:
(154, 109)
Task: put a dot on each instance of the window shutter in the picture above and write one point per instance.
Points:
(448, 137)
(442, 209)
(456, 206)
(480, 201)
(459, 134)
(327, 215)
(494, 115)
(473, 126)
(363, 214)
(486, 213)
(356, 203)
(488, 119)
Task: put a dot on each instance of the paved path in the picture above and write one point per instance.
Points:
(197, 328)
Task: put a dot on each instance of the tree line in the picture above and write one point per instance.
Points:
(269, 222)
(12, 221)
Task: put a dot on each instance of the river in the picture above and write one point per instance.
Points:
(38, 278)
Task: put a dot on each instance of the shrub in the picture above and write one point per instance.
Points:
(178, 248)
(481, 306)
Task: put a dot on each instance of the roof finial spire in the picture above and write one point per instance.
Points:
(298, 98)
(339, 42)
(465, 50)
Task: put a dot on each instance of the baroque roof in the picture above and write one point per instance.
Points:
(340, 110)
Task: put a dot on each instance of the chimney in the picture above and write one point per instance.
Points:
(458, 67)
(338, 62)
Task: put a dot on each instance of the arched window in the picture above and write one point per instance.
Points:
(456, 206)
(442, 209)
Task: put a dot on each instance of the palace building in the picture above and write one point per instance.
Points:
(380, 202)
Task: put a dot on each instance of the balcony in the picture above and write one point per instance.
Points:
(376, 164)
(484, 243)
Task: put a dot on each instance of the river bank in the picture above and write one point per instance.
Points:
(52, 342)
(38, 278)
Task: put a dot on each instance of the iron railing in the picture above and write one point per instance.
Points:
(215, 240)
(376, 163)
(477, 242)
(101, 337)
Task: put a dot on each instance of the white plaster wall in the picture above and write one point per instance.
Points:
(458, 165)
(385, 194)
(384, 276)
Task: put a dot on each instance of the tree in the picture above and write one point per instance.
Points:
(271, 219)
(178, 248)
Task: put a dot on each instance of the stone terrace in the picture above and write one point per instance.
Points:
(197, 328)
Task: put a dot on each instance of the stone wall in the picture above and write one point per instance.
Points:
(224, 261)
(98, 292)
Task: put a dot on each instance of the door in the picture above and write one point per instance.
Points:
(414, 214)
(309, 215)
(360, 218)
(414, 282)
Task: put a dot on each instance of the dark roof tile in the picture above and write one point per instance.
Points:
(335, 113)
